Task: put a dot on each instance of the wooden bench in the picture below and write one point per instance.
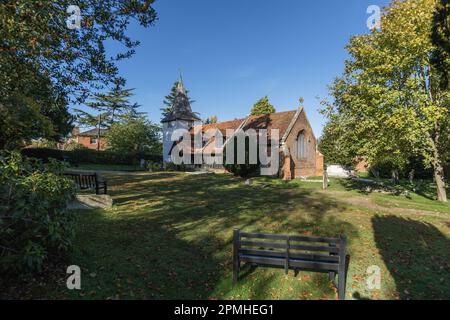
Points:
(86, 181)
(320, 254)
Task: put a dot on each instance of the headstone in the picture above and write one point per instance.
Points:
(248, 182)
(325, 179)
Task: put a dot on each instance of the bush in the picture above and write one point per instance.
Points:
(75, 146)
(35, 224)
(89, 156)
(241, 170)
(385, 168)
(153, 166)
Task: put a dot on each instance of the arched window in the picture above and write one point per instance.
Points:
(301, 146)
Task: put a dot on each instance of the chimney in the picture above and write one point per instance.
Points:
(75, 131)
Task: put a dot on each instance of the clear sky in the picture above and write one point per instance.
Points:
(233, 52)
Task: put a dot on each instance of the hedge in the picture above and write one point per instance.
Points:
(89, 156)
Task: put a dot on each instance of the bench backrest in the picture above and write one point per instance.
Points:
(303, 252)
(84, 180)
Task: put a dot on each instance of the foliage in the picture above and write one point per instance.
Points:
(45, 65)
(210, 120)
(23, 119)
(170, 99)
(385, 168)
(134, 136)
(35, 37)
(108, 108)
(89, 156)
(262, 106)
(44, 143)
(153, 166)
(388, 103)
(337, 143)
(245, 169)
(171, 167)
(71, 146)
(441, 39)
(35, 225)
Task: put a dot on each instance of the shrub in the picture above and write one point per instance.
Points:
(242, 170)
(75, 146)
(89, 156)
(153, 166)
(35, 224)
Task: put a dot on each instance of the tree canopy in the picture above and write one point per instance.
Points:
(135, 135)
(45, 65)
(388, 105)
(262, 106)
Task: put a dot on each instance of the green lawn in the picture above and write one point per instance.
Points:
(169, 236)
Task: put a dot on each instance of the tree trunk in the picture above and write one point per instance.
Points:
(437, 166)
(98, 132)
(440, 183)
(411, 176)
(394, 176)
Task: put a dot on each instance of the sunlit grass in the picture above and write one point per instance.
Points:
(169, 236)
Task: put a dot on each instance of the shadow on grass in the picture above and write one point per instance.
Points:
(169, 237)
(416, 254)
(423, 188)
(135, 257)
(203, 210)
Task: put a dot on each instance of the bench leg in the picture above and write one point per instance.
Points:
(342, 267)
(236, 266)
(341, 286)
(332, 276)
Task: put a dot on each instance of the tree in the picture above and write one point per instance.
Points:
(115, 103)
(35, 110)
(100, 121)
(441, 40)
(45, 65)
(389, 98)
(170, 99)
(262, 106)
(245, 169)
(135, 136)
(210, 120)
(107, 108)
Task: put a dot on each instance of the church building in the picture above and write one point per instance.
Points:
(299, 156)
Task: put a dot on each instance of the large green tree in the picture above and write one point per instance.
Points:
(262, 106)
(45, 65)
(389, 97)
(135, 135)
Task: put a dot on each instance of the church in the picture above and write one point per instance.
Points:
(299, 156)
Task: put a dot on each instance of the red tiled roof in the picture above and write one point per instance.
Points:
(278, 120)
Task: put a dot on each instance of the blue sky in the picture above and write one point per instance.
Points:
(233, 52)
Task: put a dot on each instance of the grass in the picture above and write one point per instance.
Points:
(106, 167)
(169, 236)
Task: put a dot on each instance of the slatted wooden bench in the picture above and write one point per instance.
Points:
(86, 181)
(320, 254)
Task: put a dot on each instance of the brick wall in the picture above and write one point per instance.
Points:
(308, 166)
(86, 141)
